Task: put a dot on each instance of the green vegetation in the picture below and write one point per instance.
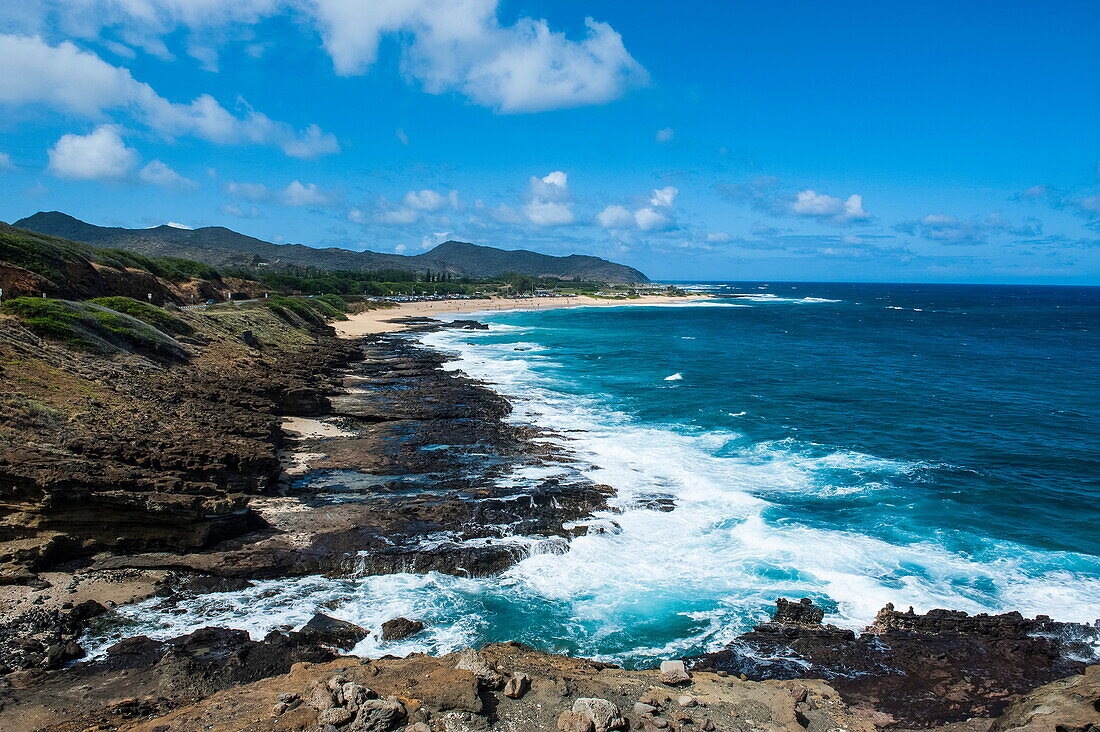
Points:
(88, 325)
(310, 309)
(48, 318)
(48, 255)
(383, 282)
(154, 316)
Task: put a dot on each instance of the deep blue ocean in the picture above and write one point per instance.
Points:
(925, 445)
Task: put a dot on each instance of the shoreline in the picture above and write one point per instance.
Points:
(390, 387)
(385, 320)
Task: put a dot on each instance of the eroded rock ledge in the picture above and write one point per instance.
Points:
(910, 669)
(216, 679)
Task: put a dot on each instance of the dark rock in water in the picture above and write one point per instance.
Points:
(44, 639)
(400, 628)
(330, 631)
(209, 660)
(942, 666)
(467, 325)
(803, 612)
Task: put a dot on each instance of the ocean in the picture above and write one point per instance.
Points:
(859, 444)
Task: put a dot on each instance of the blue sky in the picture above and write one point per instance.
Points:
(953, 142)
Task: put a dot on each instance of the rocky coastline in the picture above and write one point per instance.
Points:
(273, 449)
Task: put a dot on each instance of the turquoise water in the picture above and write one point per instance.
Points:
(935, 446)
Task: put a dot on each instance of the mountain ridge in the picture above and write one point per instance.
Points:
(222, 247)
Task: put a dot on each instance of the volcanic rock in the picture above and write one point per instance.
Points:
(400, 628)
(332, 632)
(471, 661)
(603, 714)
(571, 721)
(943, 666)
(517, 685)
(674, 673)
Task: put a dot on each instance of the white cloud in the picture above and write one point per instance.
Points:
(656, 216)
(548, 213)
(246, 212)
(160, 174)
(447, 45)
(664, 197)
(462, 47)
(307, 195)
(666, 135)
(811, 204)
(99, 155)
(436, 237)
(548, 200)
(399, 216)
(401, 136)
(649, 219)
(505, 214)
(177, 225)
(551, 187)
(427, 200)
(296, 193)
(5, 162)
(68, 79)
(249, 191)
(615, 217)
(948, 229)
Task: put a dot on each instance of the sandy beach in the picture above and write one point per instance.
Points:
(389, 319)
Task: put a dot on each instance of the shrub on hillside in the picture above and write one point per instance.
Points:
(90, 326)
(288, 306)
(152, 315)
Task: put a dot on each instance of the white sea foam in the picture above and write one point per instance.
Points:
(697, 304)
(654, 584)
(674, 377)
(769, 298)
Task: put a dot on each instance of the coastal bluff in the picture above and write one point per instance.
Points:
(247, 444)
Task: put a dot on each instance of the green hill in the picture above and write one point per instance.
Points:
(221, 247)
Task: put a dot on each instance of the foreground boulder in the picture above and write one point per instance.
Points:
(1068, 705)
(603, 715)
(674, 673)
(487, 677)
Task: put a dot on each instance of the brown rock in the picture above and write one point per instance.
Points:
(400, 628)
(570, 721)
(603, 713)
(674, 673)
(320, 698)
(336, 716)
(378, 715)
(1069, 705)
(487, 677)
(517, 686)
